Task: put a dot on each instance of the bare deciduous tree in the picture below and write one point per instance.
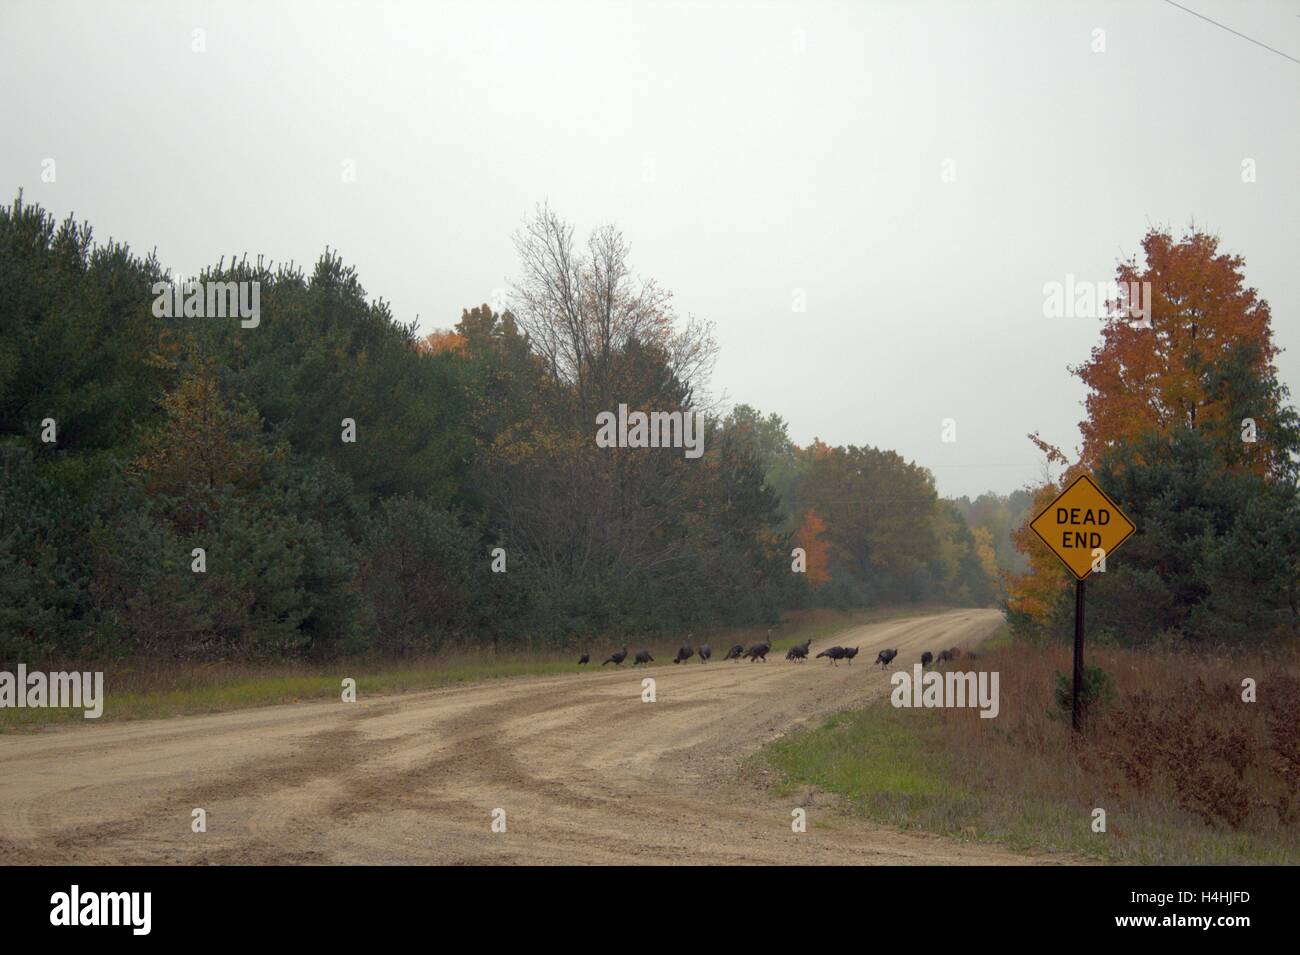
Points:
(583, 309)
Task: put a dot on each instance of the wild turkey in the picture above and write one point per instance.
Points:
(943, 657)
(954, 653)
(759, 650)
(585, 658)
(617, 657)
(643, 656)
(927, 658)
(850, 653)
(835, 653)
(685, 653)
(705, 653)
(735, 652)
(798, 653)
(885, 657)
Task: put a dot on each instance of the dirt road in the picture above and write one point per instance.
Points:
(585, 771)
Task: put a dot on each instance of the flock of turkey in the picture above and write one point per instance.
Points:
(759, 651)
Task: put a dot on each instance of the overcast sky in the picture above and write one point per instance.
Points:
(754, 154)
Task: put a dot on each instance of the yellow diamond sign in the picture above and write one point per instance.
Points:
(1082, 525)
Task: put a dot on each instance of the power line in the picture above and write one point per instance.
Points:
(1222, 26)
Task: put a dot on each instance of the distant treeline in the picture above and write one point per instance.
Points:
(324, 481)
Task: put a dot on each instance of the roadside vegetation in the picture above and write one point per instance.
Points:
(1190, 431)
(1186, 772)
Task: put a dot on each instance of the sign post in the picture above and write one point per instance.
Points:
(1082, 526)
(1076, 714)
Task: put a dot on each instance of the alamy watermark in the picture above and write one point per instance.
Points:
(61, 690)
(932, 689)
(75, 907)
(1105, 300)
(654, 429)
(199, 299)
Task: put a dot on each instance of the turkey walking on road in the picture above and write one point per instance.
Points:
(835, 653)
(617, 657)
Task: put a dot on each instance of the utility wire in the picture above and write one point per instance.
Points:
(1231, 30)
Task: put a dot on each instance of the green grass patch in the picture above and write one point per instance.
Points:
(197, 690)
(864, 759)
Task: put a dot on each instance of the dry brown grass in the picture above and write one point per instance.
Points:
(1185, 770)
(1179, 730)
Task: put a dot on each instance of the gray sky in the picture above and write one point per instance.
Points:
(746, 150)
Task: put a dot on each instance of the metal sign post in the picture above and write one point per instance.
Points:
(1076, 706)
(1081, 527)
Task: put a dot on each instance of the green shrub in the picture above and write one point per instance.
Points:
(1097, 692)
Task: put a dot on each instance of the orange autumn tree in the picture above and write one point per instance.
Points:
(1144, 379)
(1031, 595)
(439, 342)
(206, 442)
(815, 548)
(1157, 376)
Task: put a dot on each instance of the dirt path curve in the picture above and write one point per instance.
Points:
(585, 771)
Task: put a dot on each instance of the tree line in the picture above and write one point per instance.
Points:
(326, 481)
